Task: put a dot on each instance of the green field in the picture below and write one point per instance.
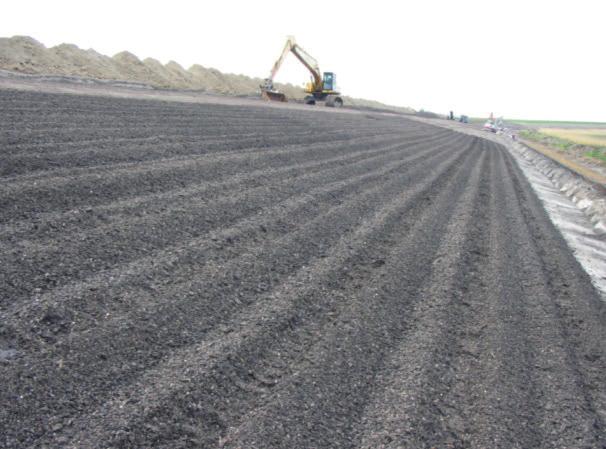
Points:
(584, 136)
(557, 124)
(590, 142)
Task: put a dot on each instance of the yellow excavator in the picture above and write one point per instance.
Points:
(321, 88)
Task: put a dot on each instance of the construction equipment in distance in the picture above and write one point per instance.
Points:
(493, 125)
(322, 87)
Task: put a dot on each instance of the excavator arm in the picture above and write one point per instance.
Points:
(308, 61)
(310, 64)
(290, 43)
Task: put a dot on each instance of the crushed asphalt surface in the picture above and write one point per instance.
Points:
(220, 276)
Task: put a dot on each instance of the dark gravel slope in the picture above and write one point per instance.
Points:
(180, 275)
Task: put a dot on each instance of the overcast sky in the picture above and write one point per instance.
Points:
(520, 59)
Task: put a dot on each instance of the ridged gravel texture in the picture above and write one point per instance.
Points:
(209, 276)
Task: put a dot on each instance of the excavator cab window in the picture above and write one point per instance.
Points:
(329, 81)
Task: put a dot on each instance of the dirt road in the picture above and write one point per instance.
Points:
(194, 275)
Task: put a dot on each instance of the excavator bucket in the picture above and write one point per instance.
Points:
(272, 95)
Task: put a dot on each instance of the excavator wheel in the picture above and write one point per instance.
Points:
(310, 100)
(333, 101)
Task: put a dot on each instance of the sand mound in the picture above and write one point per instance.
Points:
(87, 63)
(208, 80)
(162, 72)
(133, 69)
(179, 75)
(26, 55)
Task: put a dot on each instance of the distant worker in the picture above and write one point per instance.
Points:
(451, 117)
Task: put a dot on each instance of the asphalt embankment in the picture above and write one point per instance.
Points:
(194, 275)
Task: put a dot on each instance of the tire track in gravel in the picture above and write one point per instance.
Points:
(564, 364)
(239, 180)
(488, 326)
(479, 340)
(150, 150)
(139, 235)
(238, 233)
(277, 319)
(92, 189)
(384, 307)
(215, 290)
(100, 157)
(407, 409)
(149, 123)
(302, 152)
(376, 283)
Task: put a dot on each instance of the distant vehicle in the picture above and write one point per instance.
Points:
(490, 126)
(464, 119)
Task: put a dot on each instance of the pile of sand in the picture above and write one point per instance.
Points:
(26, 55)
(85, 63)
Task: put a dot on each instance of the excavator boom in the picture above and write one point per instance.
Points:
(290, 43)
(310, 64)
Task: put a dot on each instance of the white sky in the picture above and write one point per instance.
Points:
(521, 59)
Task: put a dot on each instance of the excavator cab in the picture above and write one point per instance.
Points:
(329, 81)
